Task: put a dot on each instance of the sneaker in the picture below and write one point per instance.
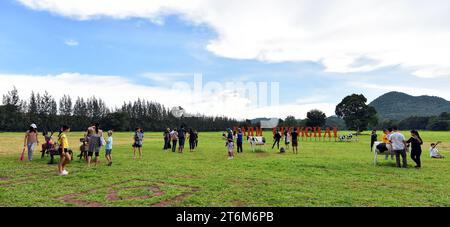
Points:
(65, 172)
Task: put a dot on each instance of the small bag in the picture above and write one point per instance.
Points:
(102, 141)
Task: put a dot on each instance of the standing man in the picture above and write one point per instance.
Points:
(294, 136)
(181, 139)
(239, 140)
(398, 143)
(373, 139)
(276, 138)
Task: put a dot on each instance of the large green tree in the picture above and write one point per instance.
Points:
(315, 118)
(356, 113)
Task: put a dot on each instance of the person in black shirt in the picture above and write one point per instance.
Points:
(166, 136)
(373, 139)
(196, 138)
(191, 140)
(294, 136)
(277, 138)
(181, 139)
(416, 147)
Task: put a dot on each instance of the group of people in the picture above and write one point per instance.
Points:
(178, 136)
(287, 137)
(231, 136)
(395, 144)
(93, 138)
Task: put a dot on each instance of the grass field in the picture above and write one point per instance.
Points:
(322, 174)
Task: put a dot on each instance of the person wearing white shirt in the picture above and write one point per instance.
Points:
(398, 143)
(434, 152)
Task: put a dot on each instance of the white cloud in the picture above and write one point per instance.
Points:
(71, 42)
(413, 34)
(115, 90)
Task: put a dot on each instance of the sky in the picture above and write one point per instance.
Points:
(298, 54)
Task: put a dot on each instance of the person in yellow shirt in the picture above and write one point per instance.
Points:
(63, 150)
(387, 141)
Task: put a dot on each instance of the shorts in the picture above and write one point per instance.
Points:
(230, 147)
(294, 143)
(96, 150)
(60, 151)
(136, 145)
(181, 141)
(108, 151)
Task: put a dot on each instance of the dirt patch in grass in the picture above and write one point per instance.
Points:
(113, 194)
(176, 199)
(238, 203)
(156, 192)
(27, 179)
(72, 199)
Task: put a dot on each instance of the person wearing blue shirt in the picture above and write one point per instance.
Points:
(108, 148)
(181, 139)
(239, 141)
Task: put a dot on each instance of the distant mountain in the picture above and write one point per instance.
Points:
(398, 106)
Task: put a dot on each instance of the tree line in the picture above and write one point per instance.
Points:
(352, 113)
(431, 123)
(43, 109)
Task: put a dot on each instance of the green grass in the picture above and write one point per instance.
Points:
(322, 174)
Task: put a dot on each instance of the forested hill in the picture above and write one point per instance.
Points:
(398, 106)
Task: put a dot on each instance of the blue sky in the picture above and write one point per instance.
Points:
(42, 41)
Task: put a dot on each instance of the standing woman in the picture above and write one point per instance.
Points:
(416, 147)
(230, 144)
(138, 141)
(63, 151)
(95, 142)
(30, 141)
(286, 139)
(174, 138)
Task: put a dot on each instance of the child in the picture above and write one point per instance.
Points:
(138, 138)
(48, 143)
(387, 142)
(230, 144)
(108, 148)
(63, 151)
(434, 152)
(286, 139)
